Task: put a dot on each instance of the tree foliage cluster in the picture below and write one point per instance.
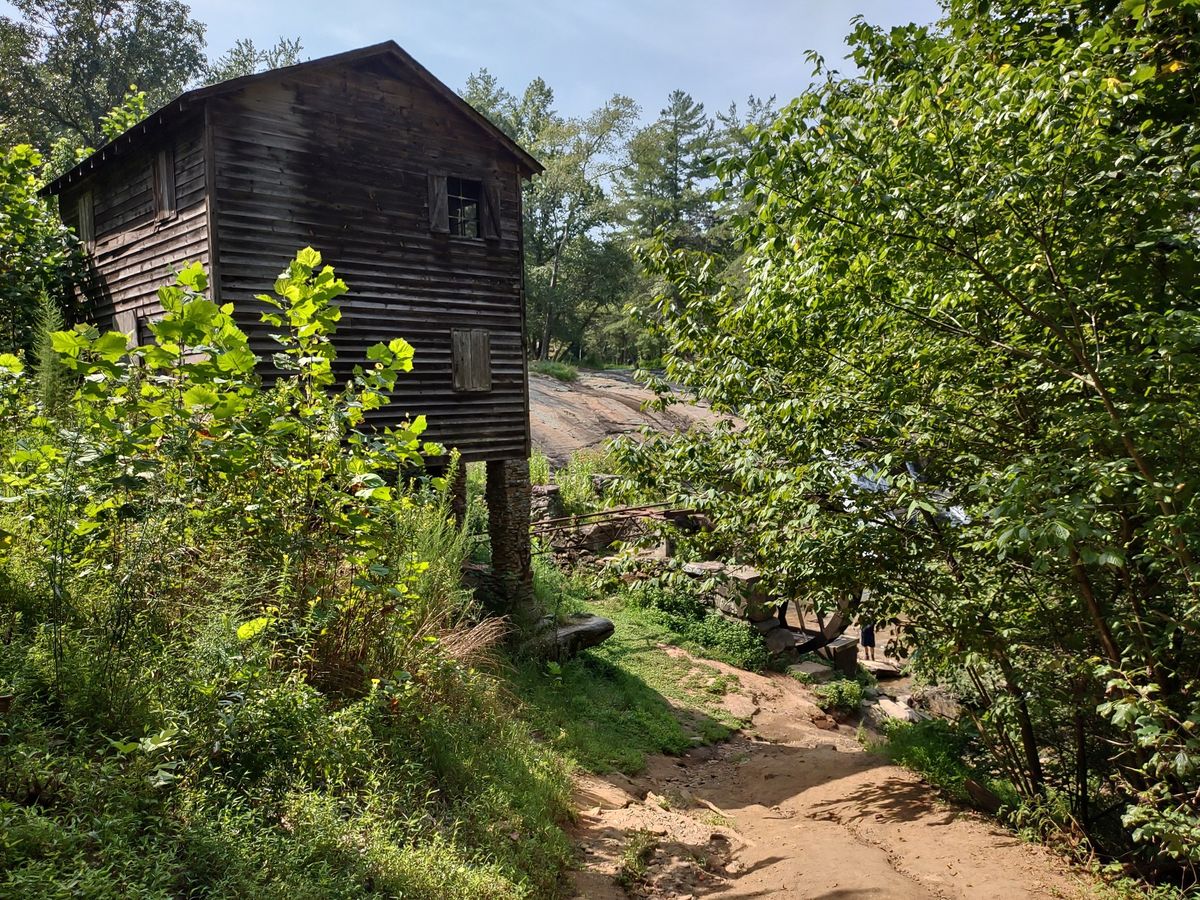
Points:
(610, 185)
(964, 351)
(237, 649)
(38, 254)
(64, 64)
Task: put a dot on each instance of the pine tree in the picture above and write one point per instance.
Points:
(668, 177)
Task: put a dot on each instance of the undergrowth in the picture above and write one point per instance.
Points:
(240, 659)
(554, 369)
(843, 695)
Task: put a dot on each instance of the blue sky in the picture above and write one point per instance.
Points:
(586, 50)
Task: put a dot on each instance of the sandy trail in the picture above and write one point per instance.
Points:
(791, 809)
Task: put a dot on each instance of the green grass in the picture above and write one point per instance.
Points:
(615, 704)
(639, 848)
(574, 480)
(554, 369)
(691, 624)
(940, 752)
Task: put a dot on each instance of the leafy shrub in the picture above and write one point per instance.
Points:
(640, 847)
(554, 369)
(841, 695)
(40, 255)
(734, 642)
(539, 467)
(684, 612)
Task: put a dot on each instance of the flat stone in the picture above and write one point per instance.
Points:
(706, 569)
(881, 668)
(600, 795)
(580, 632)
(900, 711)
(744, 574)
(812, 670)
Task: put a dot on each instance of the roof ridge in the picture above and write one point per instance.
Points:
(180, 104)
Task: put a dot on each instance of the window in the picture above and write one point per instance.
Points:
(87, 220)
(164, 185)
(471, 359)
(465, 207)
(464, 197)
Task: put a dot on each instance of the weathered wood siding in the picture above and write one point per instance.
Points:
(339, 159)
(134, 253)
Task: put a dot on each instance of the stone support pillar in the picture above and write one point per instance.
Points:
(458, 494)
(508, 494)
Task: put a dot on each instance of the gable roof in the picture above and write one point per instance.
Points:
(194, 99)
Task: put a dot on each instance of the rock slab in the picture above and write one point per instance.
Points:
(580, 632)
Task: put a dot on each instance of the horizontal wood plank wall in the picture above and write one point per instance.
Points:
(134, 254)
(339, 159)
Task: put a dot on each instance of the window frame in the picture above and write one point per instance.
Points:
(457, 200)
(487, 218)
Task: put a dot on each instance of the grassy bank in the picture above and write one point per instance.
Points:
(617, 703)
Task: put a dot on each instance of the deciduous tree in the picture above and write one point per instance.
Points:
(966, 356)
(68, 62)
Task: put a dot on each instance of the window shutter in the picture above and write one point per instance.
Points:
(439, 206)
(164, 184)
(126, 322)
(491, 210)
(471, 359)
(87, 220)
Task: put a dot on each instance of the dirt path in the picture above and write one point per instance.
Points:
(583, 414)
(792, 809)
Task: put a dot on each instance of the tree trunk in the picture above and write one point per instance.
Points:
(1025, 722)
(1081, 770)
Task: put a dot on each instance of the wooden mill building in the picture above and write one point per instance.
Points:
(411, 194)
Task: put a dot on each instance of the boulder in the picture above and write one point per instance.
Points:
(936, 701)
(598, 536)
(982, 798)
(601, 483)
(900, 711)
(780, 641)
(739, 590)
(545, 502)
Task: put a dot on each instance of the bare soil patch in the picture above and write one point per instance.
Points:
(794, 807)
